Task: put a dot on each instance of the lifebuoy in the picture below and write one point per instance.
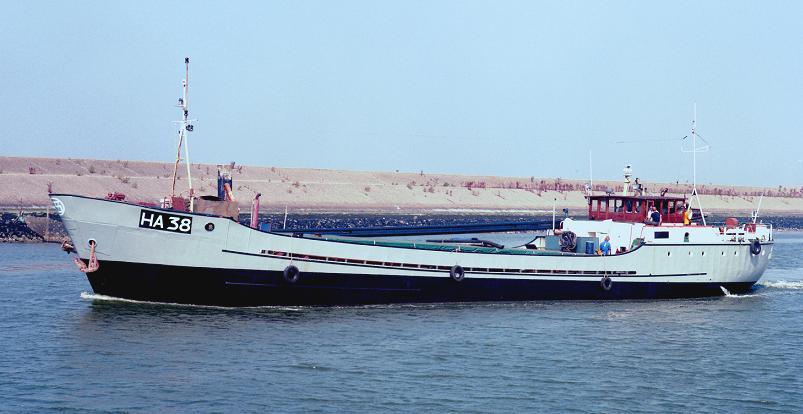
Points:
(457, 273)
(755, 247)
(291, 274)
(606, 283)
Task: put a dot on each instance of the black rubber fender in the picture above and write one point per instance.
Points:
(457, 273)
(755, 247)
(606, 282)
(291, 274)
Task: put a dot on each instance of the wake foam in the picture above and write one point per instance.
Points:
(783, 284)
(728, 294)
(95, 296)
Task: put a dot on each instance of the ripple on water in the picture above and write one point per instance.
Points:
(62, 351)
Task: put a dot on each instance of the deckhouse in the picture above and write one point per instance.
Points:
(634, 208)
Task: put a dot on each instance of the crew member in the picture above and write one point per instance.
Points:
(653, 217)
(605, 247)
(686, 215)
(638, 188)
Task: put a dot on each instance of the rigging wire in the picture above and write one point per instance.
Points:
(638, 141)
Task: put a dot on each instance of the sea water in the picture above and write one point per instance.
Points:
(62, 348)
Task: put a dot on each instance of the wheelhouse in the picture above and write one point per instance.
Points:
(634, 209)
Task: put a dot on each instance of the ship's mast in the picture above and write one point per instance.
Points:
(694, 150)
(755, 213)
(183, 104)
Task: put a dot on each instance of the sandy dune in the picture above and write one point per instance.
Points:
(24, 182)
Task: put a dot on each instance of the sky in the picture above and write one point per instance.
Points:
(514, 88)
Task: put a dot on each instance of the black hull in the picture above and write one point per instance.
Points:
(224, 287)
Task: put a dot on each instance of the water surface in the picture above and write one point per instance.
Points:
(64, 350)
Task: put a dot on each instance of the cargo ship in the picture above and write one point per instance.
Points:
(194, 250)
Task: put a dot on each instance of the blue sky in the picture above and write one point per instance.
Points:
(473, 87)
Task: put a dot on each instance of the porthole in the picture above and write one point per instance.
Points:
(703, 253)
(689, 253)
(723, 253)
(669, 253)
(735, 253)
(209, 226)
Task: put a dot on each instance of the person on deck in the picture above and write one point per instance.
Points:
(638, 188)
(653, 217)
(686, 215)
(605, 247)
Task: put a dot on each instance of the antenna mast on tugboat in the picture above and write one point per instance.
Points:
(694, 150)
(183, 103)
